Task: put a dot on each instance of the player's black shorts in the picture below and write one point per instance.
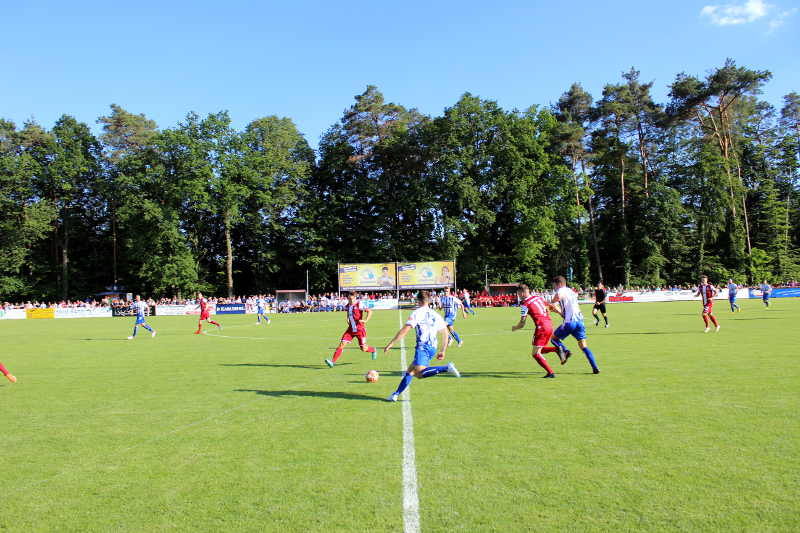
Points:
(601, 307)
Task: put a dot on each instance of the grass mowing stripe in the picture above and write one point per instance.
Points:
(410, 493)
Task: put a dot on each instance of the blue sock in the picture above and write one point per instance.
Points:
(557, 342)
(135, 329)
(404, 383)
(148, 328)
(432, 371)
(259, 319)
(455, 336)
(590, 357)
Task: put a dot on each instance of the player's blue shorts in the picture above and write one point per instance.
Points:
(140, 319)
(765, 297)
(423, 354)
(260, 311)
(732, 298)
(450, 319)
(576, 329)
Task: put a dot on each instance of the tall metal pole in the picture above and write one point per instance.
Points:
(306, 284)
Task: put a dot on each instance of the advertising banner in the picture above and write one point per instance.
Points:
(367, 277)
(83, 312)
(231, 309)
(381, 303)
(12, 314)
(780, 292)
(179, 310)
(429, 275)
(47, 312)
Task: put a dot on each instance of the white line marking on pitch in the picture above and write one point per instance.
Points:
(410, 492)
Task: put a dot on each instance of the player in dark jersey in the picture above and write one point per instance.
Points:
(600, 294)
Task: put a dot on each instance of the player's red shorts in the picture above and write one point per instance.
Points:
(542, 334)
(707, 309)
(360, 334)
(205, 316)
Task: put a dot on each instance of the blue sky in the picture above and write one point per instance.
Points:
(307, 59)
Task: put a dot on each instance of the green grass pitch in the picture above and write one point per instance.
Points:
(250, 431)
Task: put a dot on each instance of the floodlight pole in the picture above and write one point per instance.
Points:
(306, 284)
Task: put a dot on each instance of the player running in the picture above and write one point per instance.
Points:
(450, 305)
(140, 308)
(600, 294)
(766, 292)
(538, 309)
(467, 304)
(260, 310)
(573, 322)
(9, 376)
(205, 314)
(356, 327)
(706, 291)
(732, 290)
(428, 324)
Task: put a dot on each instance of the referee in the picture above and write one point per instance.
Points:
(600, 304)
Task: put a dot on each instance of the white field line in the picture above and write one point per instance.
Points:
(410, 492)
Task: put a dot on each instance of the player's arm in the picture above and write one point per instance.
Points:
(461, 305)
(551, 305)
(522, 319)
(443, 333)
(400, 334)
(368, 311)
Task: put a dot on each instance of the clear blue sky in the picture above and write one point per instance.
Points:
(307, 59)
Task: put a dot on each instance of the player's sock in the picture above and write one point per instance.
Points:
(549, 349)
(404, 383)
(215, 323)
(135, 329)
(3, 370)
(543, 363)
(558, 343)
(455, 336)
(337, 354)
(605, 318)
(705, 319)
(148, 328)
(596, 320)
(713, 319)
(590, 357)
(432, 371)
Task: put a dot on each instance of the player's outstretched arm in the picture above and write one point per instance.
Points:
(520, 324)
(400, 334)
(369, 315)
(443, 342)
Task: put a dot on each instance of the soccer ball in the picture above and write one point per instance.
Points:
(372, 376)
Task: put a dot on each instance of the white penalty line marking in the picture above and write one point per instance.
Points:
(410, 492)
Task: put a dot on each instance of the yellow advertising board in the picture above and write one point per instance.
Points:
(429, 275)
(47, 312)
(367, 277)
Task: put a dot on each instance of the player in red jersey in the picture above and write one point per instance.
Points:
(538, 309)
(7, 374)
(205, 314)
(706, 292)
(356, 319)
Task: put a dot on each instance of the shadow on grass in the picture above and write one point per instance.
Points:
(312, 394)
(275, 365)
(104, 339)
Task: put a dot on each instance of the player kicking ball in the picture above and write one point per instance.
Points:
(573, 322)
(356, 327)
(707, 291)
(205, 314)
(140, 308)
(538, 309)
(9, 376)
(428, 324)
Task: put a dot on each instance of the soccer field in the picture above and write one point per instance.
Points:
(248, 430)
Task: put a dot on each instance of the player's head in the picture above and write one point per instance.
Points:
(559, 282)
(765, 282)
(730, 281)
(523, 291)
(199, 294)
(704, 279)
(447, 291)
(138, 298)
(423, 298)
(351, 297)
(600, 285)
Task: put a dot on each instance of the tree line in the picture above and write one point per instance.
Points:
(616, 187)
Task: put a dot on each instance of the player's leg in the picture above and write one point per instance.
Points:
(705, 320)
(149, 328)
(605, 316)
(595, 315)
(219, 326)
(713, 320)
(589, 355)
(453, 333)
(135, 330)
(346, 338)
(7, 374)
(365, 347)
(561, 333)
(536, 353)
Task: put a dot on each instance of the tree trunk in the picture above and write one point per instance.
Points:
(594, 230)
(114, 243)
(229, 251)
(643, 154)
(65, 259)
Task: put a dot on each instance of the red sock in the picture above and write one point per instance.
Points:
(705, 319)
(3, 370)
(337, 354)
(199, 326)
(543, 363)
(370, 349)
(212, 322)
(713, 319)
(549, 349)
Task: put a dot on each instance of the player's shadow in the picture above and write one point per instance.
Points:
(103, 340)
(276, 365)
(312, 394)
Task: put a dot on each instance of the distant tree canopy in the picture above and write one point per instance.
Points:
(619, 188)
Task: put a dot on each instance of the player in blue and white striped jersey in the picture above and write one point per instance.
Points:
(261, 309)
(140, 308)
(450, 305)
